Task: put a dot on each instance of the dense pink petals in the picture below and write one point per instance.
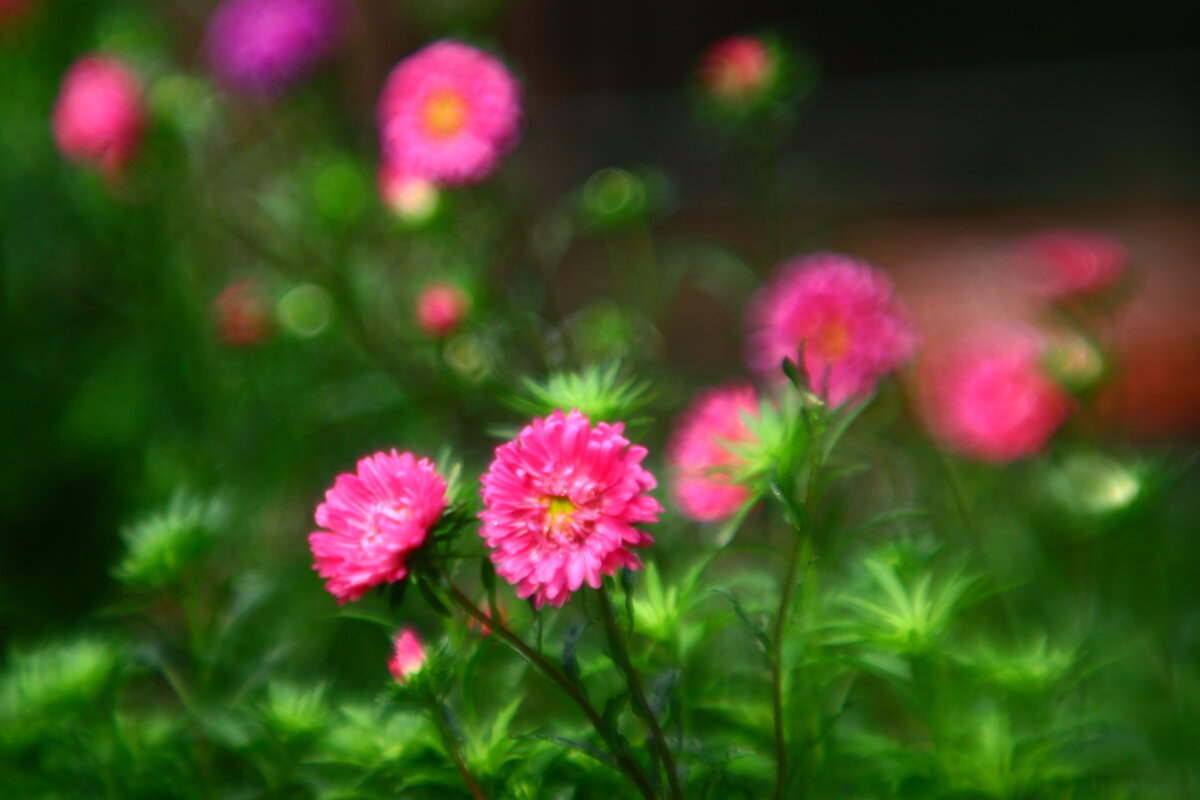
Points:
(844, 311)
(737, 68)
(560, 505)
(702, 452)
(988, 397)
(441, 307)
(99, 116)
(373, 519)
(408, 655)
(1063, 264)
(449, 113)
(264, 46)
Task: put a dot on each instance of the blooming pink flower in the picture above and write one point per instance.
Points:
(263, 46)
(99, 116)
(408, 657)
(702, 452)
(560, 504)
(845, 314)
(441, 308)
(737, 68)
(987, 397)
(242, 316)
(1063, 264)
(375, 518)
(448, 113)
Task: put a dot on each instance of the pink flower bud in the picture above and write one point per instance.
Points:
(241, 314)
(737, 68)
(409, 197)
(408, 657)
(99, 116)
(1059, 265)
(441, 308)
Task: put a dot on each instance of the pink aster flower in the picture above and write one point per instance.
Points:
(1059, 265)
(988, 397)
(441, 308)
(408, 656)
(264, 46)
(99, 116)
(703, 452)
(737, 68)
(448, 113)
(560, 505)
(374, 519)
(853, 328)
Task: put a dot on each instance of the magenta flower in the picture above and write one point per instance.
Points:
(1063, 264)
(737, 68)
(448, 113)
(261, 47)
(441, 308)
(988, 398)
(374, 519)
(560, 505)
(845, 314)
(99, 116)
(408, 656)
(703, 452)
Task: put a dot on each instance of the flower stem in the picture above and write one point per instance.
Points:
(620, 657)
(555, 676)
(442, 719)
(781, 765)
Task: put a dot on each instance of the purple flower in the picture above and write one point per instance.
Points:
(262, 47)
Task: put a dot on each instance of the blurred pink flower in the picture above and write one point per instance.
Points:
(411, 198)
(408, 656)
(560, 505)
(737, 68)
(844, 312)
(702, 452)
(1062, 264)
(264, 46)
(99, 115)
(448, 113)
(375, 519)
(988, 397)
(242, 316)
(441, 308)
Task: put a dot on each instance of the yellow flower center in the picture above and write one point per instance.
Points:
(445, 113)
(559, 513)
(833, 340)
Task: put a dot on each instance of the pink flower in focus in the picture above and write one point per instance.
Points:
(441, 308)
(448, 113)
(1063, 264)
(988, 397)
(845, 313)
(702, 452)
(560, 504)
(737, 68)
(242, 316)
(264, 46)
(374, 519)
(99, 116)
(408, 657)
(411, 198)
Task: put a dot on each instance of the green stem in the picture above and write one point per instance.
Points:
(785, 599)
(620, 657)
(555, 676)
(442, 719)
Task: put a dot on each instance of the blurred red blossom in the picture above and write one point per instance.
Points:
(99, 116)
(1063, 264)
(441, 308)
(703, 452)
(408, 655)
(242, 316)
